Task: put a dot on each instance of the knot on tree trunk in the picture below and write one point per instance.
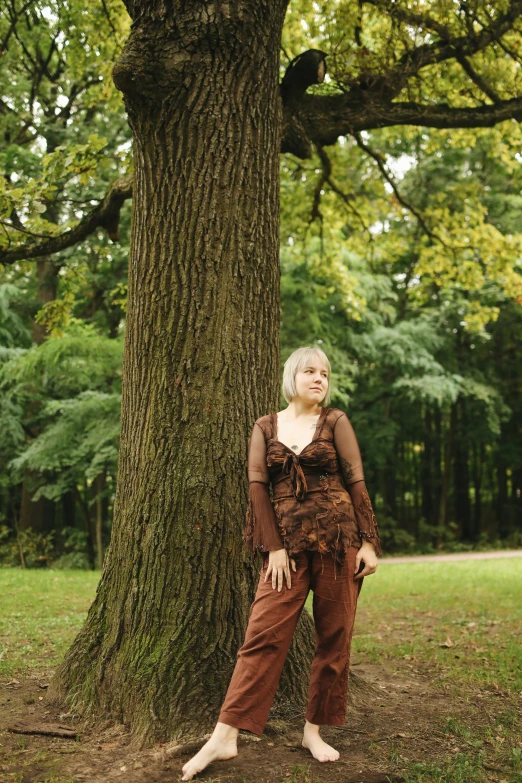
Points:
(150, 66)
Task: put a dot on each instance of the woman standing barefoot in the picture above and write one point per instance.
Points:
(318, 532)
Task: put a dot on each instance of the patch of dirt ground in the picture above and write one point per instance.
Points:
(398, 716)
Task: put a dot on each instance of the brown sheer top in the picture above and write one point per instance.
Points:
(319, 497)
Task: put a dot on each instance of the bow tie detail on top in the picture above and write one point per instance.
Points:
(292, 466)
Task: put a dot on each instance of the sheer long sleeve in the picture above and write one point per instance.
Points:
(261, 529)
(351, 466)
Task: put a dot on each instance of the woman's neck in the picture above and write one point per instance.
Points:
(298, 408)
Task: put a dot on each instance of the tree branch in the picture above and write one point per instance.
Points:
(377, 157)
(479, 81)
(424, 21)
(393, 80)
(347, 198)
(367, 101)
(106, 215)
(325, 118)
(14, 20)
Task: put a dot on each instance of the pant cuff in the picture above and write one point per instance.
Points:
(240, 722)
(326, 720)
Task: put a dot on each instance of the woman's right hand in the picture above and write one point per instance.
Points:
(279, 565)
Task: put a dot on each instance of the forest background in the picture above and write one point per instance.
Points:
(401, 256)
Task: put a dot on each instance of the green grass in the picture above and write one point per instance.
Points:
(464, 768)
(405, 611)
(410, 611)
(475, 753)
(42, 610)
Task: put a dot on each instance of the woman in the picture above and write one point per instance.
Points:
(320, 525)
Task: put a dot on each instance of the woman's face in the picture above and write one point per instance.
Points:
(311, 383)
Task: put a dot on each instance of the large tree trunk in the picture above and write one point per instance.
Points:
(201, 362)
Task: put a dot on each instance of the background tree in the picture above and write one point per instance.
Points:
(61, 101)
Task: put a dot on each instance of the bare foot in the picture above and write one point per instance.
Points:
(221, 745)
(319, 749)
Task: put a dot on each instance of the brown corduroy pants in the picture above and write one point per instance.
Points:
(273, 620)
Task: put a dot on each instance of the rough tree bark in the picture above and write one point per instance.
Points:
(201, 363)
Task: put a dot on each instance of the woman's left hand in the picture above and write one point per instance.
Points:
(367, 554)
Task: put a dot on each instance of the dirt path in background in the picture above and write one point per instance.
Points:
(453, 556)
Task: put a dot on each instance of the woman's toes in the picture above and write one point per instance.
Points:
(212, 750)
(320, 749)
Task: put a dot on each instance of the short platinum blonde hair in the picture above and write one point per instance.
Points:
(297, 360)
